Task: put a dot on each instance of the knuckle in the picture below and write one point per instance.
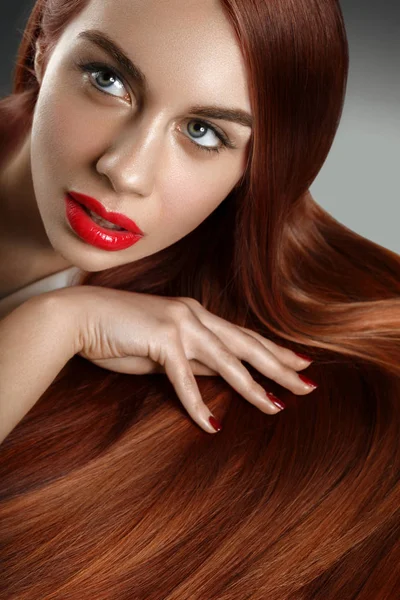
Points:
(253, 386)
(226, 356)
(178, 310)
(279, 371)
(169, 334)
(278, 367)
(188, 381)
(190, 301)
(286, 372)
(169, 324)
(255, 334)
(284, 368)
(251, 333)
(252, 348)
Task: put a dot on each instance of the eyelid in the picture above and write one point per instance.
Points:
(218, 132)
(87, 65)
(221, 145)
(98, 64)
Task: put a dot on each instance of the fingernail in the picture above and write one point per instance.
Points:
(215, 423)
(276, 400)
(304, 356)
(308, 381)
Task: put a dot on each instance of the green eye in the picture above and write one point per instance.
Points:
(98, 70)
(206, 126)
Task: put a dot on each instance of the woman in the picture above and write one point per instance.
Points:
(106, 492)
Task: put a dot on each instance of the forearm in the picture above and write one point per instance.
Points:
(36, 340)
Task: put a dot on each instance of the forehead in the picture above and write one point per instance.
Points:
(186, 45)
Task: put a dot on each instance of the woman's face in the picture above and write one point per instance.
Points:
(139, 150)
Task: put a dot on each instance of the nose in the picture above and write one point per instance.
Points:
(130, 163)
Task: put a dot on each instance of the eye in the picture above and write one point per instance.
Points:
(112, 78)
(105, 78)
(199, 131)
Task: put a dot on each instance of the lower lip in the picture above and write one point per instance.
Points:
(94, 234)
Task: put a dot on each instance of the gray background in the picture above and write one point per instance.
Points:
(358, 183)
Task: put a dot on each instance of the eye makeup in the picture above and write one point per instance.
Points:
(96, 68)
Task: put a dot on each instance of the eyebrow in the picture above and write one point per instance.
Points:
(235, 115)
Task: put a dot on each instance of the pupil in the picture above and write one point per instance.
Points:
(200, 128)
(109, 79)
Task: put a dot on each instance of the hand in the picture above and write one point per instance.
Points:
(137, 333)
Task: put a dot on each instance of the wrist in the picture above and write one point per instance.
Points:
(59, 309)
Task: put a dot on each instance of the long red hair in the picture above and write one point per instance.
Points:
(107, 487)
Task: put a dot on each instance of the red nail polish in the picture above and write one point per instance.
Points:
(304, 356)
(279, 403)
(308, 381)
(214, 423)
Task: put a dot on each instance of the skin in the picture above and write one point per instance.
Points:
(136, 153)
(130, 150)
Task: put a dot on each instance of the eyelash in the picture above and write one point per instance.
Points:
(98, 67)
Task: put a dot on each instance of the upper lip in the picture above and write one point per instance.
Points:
(113, 217)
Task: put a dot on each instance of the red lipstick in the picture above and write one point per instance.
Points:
(77, 207)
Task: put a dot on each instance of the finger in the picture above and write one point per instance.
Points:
(222, 328)
(285, 355)
(179, 372)
(131, 365)
(135, 365)
(213, 352)
(199, 369)
(269, 365)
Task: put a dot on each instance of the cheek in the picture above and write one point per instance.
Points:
(188, 200)
(68, 132)
(62, 132)
(189, 192)
(196, 188)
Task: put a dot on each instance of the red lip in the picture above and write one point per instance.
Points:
(88, 230)
(113, 217)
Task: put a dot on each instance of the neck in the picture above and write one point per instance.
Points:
(26, 253)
